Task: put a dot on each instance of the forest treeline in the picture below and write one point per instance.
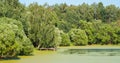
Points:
(23, 28)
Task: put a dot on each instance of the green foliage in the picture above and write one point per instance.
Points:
(89, 29)
(42, 31)
(110, 13)
(65, 41)
(103, 35)
(78, 37)
(115, 33)
(8, 46)
(11, 9)
(49, 38)
(63, 25)
(13, 41)
(42, 25)
(39, 23)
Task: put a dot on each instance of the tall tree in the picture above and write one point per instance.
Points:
(42, 27)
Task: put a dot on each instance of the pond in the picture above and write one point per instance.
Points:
(68, 55)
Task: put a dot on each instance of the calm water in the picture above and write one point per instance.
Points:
(92, 52)
(71, 56)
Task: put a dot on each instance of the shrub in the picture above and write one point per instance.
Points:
(13, 40)
(65, 40)
(78, 37)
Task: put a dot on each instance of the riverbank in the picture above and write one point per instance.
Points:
(46, 56)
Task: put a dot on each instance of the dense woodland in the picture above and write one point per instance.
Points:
(23, 28)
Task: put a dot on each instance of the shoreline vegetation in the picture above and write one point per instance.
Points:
(46, 27)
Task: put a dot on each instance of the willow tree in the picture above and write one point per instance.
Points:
(42, 26)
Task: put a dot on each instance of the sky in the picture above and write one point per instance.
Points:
(73, 2)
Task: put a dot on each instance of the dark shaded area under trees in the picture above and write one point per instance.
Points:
(44, 26)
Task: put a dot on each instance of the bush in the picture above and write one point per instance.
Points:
(8, 46)
(103, 35)
(13, 40)
(65, 40)
(78, 37)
